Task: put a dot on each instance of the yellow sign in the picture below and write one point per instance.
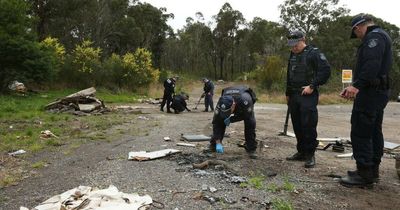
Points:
(347, 76)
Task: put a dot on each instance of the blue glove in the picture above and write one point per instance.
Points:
(227, 121)
(219, 148)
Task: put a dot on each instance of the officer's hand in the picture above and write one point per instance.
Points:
(202, 95)
(189, 110)
(219, 148)
(227, 121)
(307, 90)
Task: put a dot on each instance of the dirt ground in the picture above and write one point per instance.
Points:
(173, 182)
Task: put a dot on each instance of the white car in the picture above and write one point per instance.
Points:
(398, 98)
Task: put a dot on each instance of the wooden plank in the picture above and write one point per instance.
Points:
(196, 137)
(347, 155)
(185, 144)
(143, 155)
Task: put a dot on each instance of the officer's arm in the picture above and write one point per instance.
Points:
(372, 58)
(218, 128)
(322, 68)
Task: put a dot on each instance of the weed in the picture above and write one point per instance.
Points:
(272, 187)
(288, 186)
(281, 204)
(255, 182)
(39, 164)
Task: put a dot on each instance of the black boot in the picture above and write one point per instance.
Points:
(375, 173)
(252, 154)
(296, 157)
(362, 178)
(310, 161)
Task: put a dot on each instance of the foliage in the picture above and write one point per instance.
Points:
(306, 15)
(21, 57)
(280, 204)
(138, 68)
(271, 71)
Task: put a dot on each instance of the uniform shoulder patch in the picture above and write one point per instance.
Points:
(372, 43)
(322, 56)
(245, 102)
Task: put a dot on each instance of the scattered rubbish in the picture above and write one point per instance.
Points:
(204, 187)
(213, 189)
(143, 155)
(237, 179)
(196, 137)
(347, 155)
(18, 152)
(82, 101)
(167, 138)
(84, 197)
(290, 134)
(185, 144)
(18, 87)
(151, 101)
(47, 134)
(143, 118)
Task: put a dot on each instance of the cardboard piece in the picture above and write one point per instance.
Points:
(196, 137)
(143, 155)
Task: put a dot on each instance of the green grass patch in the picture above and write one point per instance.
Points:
(281, 204)
(39, 164)
(254, 182)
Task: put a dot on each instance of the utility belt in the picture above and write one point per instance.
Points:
(380, 83)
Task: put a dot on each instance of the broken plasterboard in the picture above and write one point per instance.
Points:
(143, 155)
(288, 133)
(196, 137)
(390, 145)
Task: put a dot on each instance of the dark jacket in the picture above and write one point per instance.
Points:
(169, 86)
(209, 87)
(317, 69)
(179, 104)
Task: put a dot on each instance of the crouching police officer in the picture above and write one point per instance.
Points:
(179, 103)
(370, 90)
(169, 90)
(208, 94)
(235, 104)
(308, 68)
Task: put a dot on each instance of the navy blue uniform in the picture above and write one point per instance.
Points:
(179, 104)
(244, 110)
(209, 93)
(310, 67)
(374, 60)
(169, 90)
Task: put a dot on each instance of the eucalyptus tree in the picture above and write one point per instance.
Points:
(151, 23)
(228, 22)
(306, 15)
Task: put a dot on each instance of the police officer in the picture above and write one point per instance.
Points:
(208, 94)
(308, 68)
(179, 103)
(169, 90)
(370, 90)
(235, 104)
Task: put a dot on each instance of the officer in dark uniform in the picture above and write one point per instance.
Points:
(208, 94)
(370, 91)
(235, 104)
(169, 90)
(308, 68)
(179, 103)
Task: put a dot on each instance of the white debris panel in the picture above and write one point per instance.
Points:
(88, 198)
